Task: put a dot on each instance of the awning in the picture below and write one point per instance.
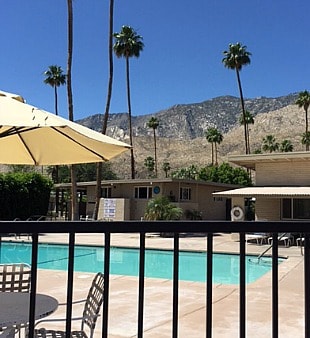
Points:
(266, 192)
(251, 160)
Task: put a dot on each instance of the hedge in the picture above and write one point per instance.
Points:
(23, 195)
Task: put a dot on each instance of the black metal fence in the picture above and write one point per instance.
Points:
(176, 227)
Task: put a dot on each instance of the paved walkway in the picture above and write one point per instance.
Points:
(123, 302)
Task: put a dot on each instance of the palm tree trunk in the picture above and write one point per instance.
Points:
(129, 119)
(56, 100)
(69, 61)
(248, 136)
(74, 210)
(212, 152)
(155, 152)
(243, 112)
(56, 166)
(307, 129)
(107, 108)
(215, 148)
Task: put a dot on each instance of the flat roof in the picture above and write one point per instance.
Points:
(266, 192)
(249, 161)
(148, 181)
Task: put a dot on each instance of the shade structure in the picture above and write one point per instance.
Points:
(29, 135)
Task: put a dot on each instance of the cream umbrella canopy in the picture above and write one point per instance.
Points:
(29, 135)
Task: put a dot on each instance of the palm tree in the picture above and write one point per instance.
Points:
(55, 78)
(166, 168)
(270, 144)
(154, 123)
(75, 211)
(107, 107)
(160, 209)
(306, 139)
(303, 101)
(235, 58)
(249, 119)
(214, 136)
(218, 140)
(209, 134)
(128, 44)
(286, 146)
(149, 163)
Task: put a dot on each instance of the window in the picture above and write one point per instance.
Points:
(185, 194)
(106, 192)
(286, 208)
(296, 208)
(143, 192)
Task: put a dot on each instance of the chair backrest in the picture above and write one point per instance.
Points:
(15, 277)
(93, 302)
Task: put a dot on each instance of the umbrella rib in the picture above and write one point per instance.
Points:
(80, 144)
(27, 148)
(15, 130)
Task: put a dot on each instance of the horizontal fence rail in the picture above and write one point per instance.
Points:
(210, 228)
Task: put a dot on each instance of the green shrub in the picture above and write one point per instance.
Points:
(23, 195)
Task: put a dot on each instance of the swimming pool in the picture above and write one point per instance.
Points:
(125, 261)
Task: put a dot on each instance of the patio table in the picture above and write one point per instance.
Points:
(15, 310)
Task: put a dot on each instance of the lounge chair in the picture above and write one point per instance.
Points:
(92, 306)
(258, 237)
(284, 237)
(300, 241)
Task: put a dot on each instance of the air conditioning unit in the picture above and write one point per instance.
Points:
(237, 214)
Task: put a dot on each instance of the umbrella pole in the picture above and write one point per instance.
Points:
(74, 202)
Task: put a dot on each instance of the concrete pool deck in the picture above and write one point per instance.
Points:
(123, 301)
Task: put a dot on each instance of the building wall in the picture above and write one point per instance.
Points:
(283, 173)
(213, 208)
(138, 208)
(268, 209)
(201, 200)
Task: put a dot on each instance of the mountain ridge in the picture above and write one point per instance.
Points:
(189, 121)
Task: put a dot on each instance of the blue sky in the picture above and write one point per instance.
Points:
(182, 58)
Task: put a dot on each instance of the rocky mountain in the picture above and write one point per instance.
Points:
(180, 136)
(189, 121)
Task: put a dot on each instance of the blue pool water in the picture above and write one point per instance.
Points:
(125, 261)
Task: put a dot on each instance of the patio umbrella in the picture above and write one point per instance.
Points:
(29, 135)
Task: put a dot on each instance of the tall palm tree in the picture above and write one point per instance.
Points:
(249, 119)
(303, 101)
(209, 134)
(215, 137)
(55, 78)
(149, 163)
(107, 107)
(270, 144)
(218, 140)
(154, 123)
(128, 44)
(166, 168)
(235, 58)
(74, 211)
